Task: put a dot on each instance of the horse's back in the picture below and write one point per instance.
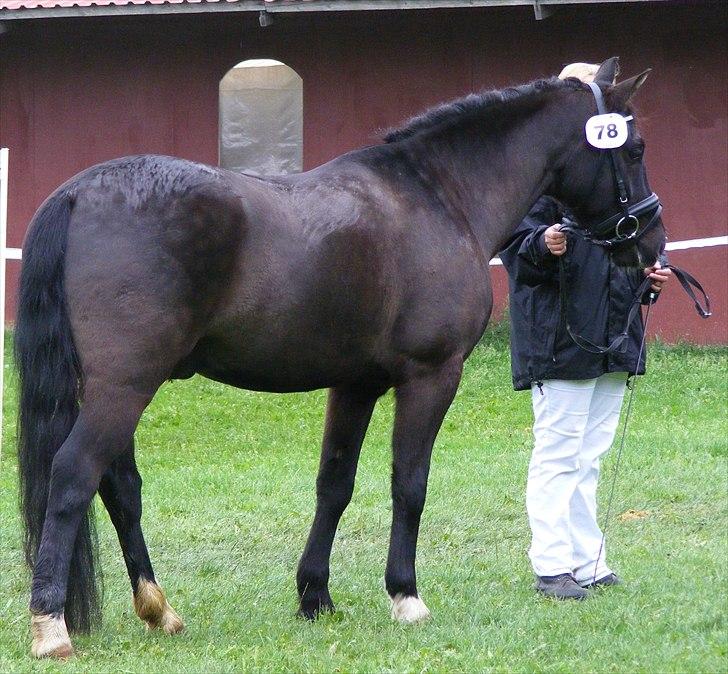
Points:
(332, 276)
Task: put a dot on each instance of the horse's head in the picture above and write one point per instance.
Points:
(604, 178)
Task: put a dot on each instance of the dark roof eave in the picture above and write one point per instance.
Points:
(274, 8)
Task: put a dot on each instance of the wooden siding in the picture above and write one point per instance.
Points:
(74, 92)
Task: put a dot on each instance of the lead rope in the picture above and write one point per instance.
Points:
(624, 435)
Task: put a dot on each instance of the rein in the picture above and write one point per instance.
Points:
(619, 343)
(631, 384)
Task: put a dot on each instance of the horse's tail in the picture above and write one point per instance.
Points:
(50, 386)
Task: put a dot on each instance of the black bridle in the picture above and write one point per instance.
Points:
(624, 226)
(627, 217)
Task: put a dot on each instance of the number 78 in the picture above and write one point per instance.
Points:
(611, 130)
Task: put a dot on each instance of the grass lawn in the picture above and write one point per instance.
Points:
(229, 497)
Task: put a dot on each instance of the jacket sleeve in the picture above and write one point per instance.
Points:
(646, 297)
(525, 256)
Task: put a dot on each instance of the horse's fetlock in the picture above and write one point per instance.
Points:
(310, 581)
(46, 597)
(398, 582)
(315, 602)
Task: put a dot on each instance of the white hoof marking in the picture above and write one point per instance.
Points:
(409, 609)
(50, 637)
(152, 607)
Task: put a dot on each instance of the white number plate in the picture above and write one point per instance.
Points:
(607, 131)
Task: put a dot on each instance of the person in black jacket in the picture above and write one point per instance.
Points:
(577, 395)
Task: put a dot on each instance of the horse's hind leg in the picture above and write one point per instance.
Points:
(121, 492)
(347, 417)
(421, 404)
(103, 430)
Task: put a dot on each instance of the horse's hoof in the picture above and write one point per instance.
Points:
(409, 609)
(171, 623)
(310, 610)
(50, 637)
(152, 607)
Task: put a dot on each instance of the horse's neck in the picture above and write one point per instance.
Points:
(496, 180)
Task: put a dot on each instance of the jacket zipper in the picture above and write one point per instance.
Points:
(552, 341)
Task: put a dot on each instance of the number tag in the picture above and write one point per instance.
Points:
(606, 131)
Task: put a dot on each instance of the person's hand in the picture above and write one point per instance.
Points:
(658, 275)
(555, 240)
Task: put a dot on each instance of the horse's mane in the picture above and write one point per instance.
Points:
(486, 105)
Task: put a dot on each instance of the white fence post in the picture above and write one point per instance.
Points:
(3, 252)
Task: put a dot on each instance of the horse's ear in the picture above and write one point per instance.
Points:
(622, 92)
(608, 71)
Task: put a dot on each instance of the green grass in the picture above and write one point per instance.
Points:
(228, 497)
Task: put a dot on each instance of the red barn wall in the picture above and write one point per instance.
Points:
(74, 92)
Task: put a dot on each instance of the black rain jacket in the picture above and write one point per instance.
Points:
(600, 294)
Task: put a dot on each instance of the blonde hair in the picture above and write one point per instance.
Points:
(581, 71)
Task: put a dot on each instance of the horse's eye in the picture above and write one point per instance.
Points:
(636, 152)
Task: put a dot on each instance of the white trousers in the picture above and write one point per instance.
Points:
(574, 424)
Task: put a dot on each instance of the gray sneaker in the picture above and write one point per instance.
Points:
(563, 586)
(609, 579)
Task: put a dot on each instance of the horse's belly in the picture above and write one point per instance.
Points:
(266, 381)
(283, 366)
(290, 382)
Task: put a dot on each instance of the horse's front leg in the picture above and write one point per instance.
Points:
(347, 417)
(421, 404)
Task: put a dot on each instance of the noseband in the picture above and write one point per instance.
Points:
(624, 226)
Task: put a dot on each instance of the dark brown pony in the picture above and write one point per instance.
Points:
(367, 273)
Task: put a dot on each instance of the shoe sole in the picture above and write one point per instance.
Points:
(551, 595)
